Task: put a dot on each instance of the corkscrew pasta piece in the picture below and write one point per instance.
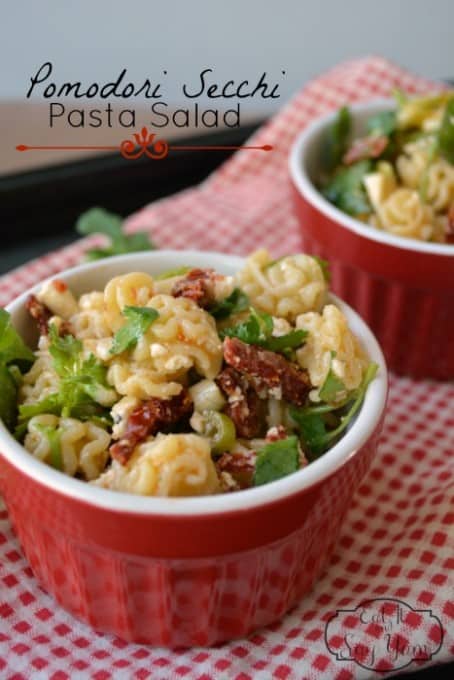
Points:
(88, 322)
(133, 379)
(330, 344)
(404, 214)
(82, 447)
(184, 335)
(285, 288)
(40, 381)
(134, 289)
(413, 162)
(169, 465)
(440, 185)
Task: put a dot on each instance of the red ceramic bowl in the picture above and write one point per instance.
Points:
(184, 571)
(402, 287)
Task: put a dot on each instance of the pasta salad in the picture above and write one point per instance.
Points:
(399, 177)
(187, 383)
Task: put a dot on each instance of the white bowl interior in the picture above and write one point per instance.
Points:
(94, 276)
(305, 169)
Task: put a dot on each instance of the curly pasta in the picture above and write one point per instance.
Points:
(330, 344)
(83, 446)
(40, 381)
(133, 289)
(412, 164)
(440, 185)
(184, 335)
(290, 286)
(170, 465)
(88, 322)
(136, 380)
(404, 214)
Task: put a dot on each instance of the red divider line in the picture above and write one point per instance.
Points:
(24, 147)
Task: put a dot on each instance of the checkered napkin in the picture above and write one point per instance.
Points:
(397, 540)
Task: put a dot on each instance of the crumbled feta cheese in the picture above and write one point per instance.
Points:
(276, 392)
(223, 287)
(280, 327)
(178, 362)
(157, 350)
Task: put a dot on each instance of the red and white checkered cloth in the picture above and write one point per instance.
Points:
(398, 538)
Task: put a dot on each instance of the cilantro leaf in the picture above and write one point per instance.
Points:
(314, 428)
(84, 409)
(81, 380)
(346, 189)
(236, 302)
(258, 330)
(445, 136)
(284, 343)
(277, 459)
(8, 397)
(64, 351)
(139, 321)
(100, 221)
(12, 347)
(333, 386)
(170, 273)
(255, 330)
(335, 142)
(382, 123)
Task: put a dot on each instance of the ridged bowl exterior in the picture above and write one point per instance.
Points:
(405, 297)
(175, 580)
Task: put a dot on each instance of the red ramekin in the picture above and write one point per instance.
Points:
(184, 571)
(403, 288)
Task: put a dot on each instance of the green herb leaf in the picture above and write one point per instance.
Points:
(170, 273)
(139, 321)
(8, 397)
(324, 266)
(445, 136)
(64, 351)
(335, 142)
(100, 221)
(312, 429)
(84, 409)
(383, 123)
(255, 330)
(50, 404)
(346, 189)
(332, 385)
(258, 330)
(277, 459)
(81, 380)
(311, 422)
(236, 302)
(284, 343)
(12, 347)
